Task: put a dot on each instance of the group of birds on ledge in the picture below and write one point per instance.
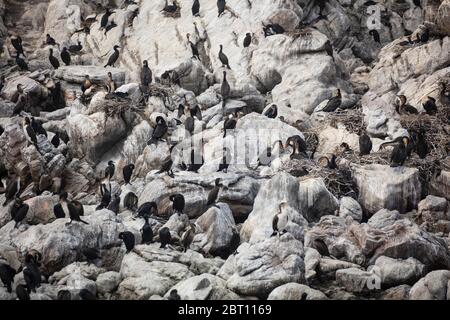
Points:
(403, 148)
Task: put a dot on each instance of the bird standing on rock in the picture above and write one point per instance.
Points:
(194, 49)
(214, 193)
(334, 102)
(147, 232)
(7, 276)
(221, 7)
(178, 203)
(65, 56)
(146, 74)
(127, 172)
(53, 60)
(247, 40)
(223, 58)
(75, 47)
(365, 144)
(19, 211)
(75, 208)
(271, 112)
(110, 83)
(21, 63)
(109, 170)
(196, 8)
(114, 205)
(159, 132)
(128, 239)
(225, 90)
(113, 57)
(29, 132)
(105, 18)
(188, 237)
(165, 237)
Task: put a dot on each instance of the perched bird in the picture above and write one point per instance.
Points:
(247, 40)
(221, 7)
(127, 173)
(130, 201)
(429, 104)
(16, 42)
(146, 74)
(225, 89)
(113, 57)
(21, 102)
(29, 132)
(147, 209)
(85, 294)
(196, 112)
(75, 47)
(226, 159)
(273, 29)
(421, 145)
(334, 102)
(22, 292)
(229, 124)
(165, 237)
(37, 126)
(75, 208)
(376, 36)
(50, 41)
(173, 295)
(12, 189)
(189, 125)
(105, 18)
(399, 153)
(401, 107)
(7, 276)
(105, 197)
(110, 83)
(223, 58)
(128, 239)
(56, 140)
(278, 223)
(114, 205)
(298, 145)
(194, 49)
(109, 170)
(328, 163)
(147, 232)
(53, 60)
(365, 144)
(271, 112)
(31, 274)
(87, 83)
(170, 8)
(178, 203)
(160, 130)
(21, 63)
(188, 236)
(19, 211)
(65, 56)
(110, 26)
(196, 8)
(213, 194)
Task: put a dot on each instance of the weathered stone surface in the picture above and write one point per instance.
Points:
(434, 286)
(294, 291)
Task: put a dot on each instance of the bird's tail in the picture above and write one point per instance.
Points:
(81, 220)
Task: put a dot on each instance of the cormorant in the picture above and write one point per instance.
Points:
(130, 201)
(321, 247)
(225, 89)
(12, 189)
(85, 294)
(7, 276)
(189, 125)
(173, 295)
(334, 102)
(298, 145)
(247, 40)
(193, 47)
(37, 127)
(225, 163)
(178, 203)
(19, 211)
(21, 101)
(127, 173)
(114, 205)
(229, 124)
(187, 237)
(21, 63)
(87, 83)
(22, 292)
(328, 163)
(421, 144)
(16, 42)
(271, 112)
(128, 240)
(365, 144)
(146, 74)
(196, 8)
(110, 83)
(429, 104)
(50, 41)
(53, 60)
(164, 237)
(273, 29)
(399, 153)
(160, 130)
(223, 58)
(276, 221)
(147, 209)
(109, 170)
(56, 140)
(58, 210)
(106, 197)
(75, 208)
(213, 194)
(113, 58)
(105, 17)
(65, 56)
(76, 47)
(147, 232)
(402, 107)
(220, 7)
(29, 132)
(196, 112)
(376, 36)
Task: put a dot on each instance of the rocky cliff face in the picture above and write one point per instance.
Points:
(360, 228)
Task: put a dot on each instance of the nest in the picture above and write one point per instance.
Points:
(352, 119)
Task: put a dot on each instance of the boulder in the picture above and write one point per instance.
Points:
(349, 207)
(294, 291)
(315, 199)
(385, 187)
(358, 281)
(395, 272)
(434, 286)
(107, 282)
